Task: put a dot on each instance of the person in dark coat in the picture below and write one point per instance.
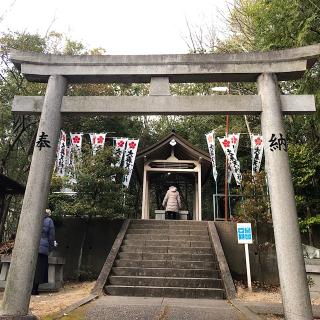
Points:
(46, 246)
(172, 203)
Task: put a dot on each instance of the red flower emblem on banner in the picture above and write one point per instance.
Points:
(210, 138)
(76, 139)
(226, 143)
(258, 141)
(120, 143)
(100, 139)
(132, 145)
(234, 139)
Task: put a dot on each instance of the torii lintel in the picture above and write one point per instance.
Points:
(288, 64)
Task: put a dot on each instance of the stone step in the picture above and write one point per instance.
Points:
(166, 272)
(167, 264)
(165, 256)
(165, 282)
(168, 232)
(168, 222)
(169, 227)
(163, 249)
(166, 237)
(175, 292)
(170, 243)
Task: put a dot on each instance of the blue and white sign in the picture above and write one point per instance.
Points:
(244, 232)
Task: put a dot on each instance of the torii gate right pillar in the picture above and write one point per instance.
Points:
(293, 281)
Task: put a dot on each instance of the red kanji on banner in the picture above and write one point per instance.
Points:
(226, 143)
(234, 140)
(132, 145)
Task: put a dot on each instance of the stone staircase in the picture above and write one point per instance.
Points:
(166, 259)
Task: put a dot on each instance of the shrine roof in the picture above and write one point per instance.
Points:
(183, 150)
(10, 186)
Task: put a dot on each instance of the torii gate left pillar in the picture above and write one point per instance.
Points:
(23, 262)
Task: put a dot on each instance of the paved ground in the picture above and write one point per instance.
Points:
(273, 308)
(136, 308)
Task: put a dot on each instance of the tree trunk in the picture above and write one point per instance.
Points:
(310, 235)
(5, 205)
(83, 241)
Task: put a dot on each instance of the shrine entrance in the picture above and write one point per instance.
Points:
(264, 68)
(172, 161)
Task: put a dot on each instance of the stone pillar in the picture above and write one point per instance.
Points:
(199, 194)
(144, 190)
(24, 257)
(292, 274)
(148, 199)
(196, 216)
(194, 200)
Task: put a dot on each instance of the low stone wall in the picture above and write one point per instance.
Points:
(315, 236)
(70, 232)
(102, 232)
(263, 267)
(313, 272)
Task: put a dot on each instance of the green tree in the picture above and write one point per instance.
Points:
(17, 132)
(96, 192)
(261, 25)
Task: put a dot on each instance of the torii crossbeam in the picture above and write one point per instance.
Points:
(264, 67)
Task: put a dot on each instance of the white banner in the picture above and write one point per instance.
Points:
(97, 141)
(74, 154)
(129, 158)
(228, 149)
(70, 163)
(211, 146)
(76, 141)
(62, 155)
(234, 138)
(256, 152)
(119, 147)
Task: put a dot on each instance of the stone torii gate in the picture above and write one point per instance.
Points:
(266, 68)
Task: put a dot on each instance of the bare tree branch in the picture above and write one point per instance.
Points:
(2, 17)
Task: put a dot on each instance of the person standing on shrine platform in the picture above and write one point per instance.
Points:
(172, 203)
(47, 243)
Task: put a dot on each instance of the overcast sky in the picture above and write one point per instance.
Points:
(119, 26)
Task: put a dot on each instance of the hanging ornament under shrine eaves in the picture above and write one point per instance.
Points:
(173, 143)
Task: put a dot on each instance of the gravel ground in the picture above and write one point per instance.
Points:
(262, 293)
(49, 303)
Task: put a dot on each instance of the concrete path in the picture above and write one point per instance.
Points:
(273, 308)
(136, 308)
